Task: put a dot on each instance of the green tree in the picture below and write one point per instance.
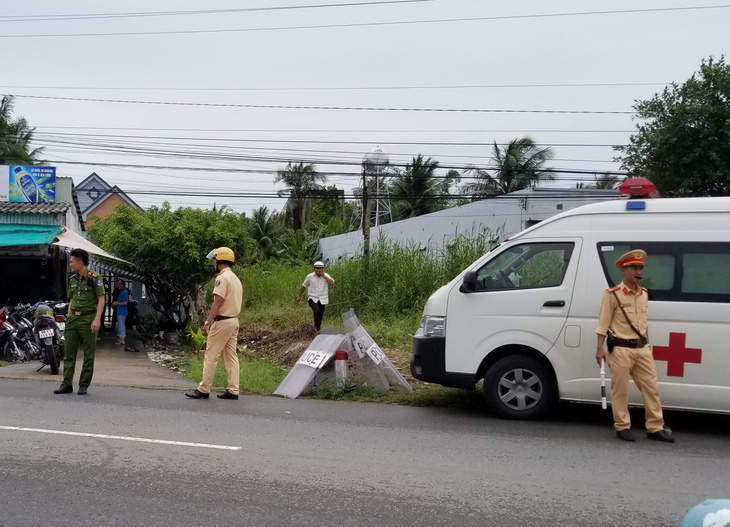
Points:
(605, 181)
(415, 190)
(300, 180)
(682, 143)
(169, 249)
(15, 137)
(518, 165)
(264, 228)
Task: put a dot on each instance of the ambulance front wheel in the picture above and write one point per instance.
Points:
(519, 387)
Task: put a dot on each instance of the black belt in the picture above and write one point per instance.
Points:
(82, 313)
(216, 319)
(630, 343)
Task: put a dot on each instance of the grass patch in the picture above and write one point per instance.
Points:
(3, 363)
(357, 392)
(258, 376)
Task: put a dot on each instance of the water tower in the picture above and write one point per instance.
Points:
(375, 164)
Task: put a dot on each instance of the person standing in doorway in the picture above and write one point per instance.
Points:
(317, 286)
(120, 307)
(623, 318)
(86, 291)
(221, 327)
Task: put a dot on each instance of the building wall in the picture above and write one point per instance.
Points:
(504, 216)
(105, 208)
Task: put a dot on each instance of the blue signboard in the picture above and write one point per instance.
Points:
(32, 184)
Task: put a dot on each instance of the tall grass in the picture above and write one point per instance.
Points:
(399, 280)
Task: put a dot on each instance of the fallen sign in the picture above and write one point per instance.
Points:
(379, 372)
(317, 355)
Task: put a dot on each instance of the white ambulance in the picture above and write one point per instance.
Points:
(523, 317)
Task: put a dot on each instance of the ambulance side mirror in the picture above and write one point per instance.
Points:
(469, 283)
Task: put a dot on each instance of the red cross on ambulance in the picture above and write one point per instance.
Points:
(677, 354)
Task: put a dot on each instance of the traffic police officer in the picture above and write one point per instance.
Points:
(624, 313)
(85, 308)
(221, 327)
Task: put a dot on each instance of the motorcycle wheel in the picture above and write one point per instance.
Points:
(51, 357)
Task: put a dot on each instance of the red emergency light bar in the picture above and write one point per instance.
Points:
(639, 188)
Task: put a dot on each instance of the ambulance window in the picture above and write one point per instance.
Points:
(659, 272)
(526, 266)
(706, 273)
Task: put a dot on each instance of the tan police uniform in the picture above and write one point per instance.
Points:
(625, 362)
(223, 334)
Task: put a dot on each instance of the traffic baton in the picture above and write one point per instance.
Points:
(603, 384)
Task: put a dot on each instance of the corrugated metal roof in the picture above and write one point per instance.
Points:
(34, 208)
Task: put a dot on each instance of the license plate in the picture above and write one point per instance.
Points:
(61, 325)
(45, 333)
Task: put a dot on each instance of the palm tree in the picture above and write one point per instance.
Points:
(264, 228)
(605, 181)
(415, 190)
(300, 180)
(15, 137)
(518, 165)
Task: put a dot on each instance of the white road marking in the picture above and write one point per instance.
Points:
(120, 438)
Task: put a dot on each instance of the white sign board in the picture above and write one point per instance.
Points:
(314, 359)
(4, 183)
(375, 353)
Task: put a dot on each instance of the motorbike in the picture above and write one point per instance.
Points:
(49, 338)
(21, 318)
(9, 348)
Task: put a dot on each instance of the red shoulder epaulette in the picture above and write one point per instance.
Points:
(94, 275)
(645, 289)
(612, 289)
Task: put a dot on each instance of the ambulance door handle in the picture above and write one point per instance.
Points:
(554, 303)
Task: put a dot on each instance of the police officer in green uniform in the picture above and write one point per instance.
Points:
(85, 308)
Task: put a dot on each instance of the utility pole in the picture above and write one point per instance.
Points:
(365, 223)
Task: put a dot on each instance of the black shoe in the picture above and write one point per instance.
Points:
(625, 435)
(196, 394)
(661, 435)
(127, 348)
(64, 388)
(82, 390)
(227, 395)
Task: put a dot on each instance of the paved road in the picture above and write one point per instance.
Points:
(323, 463)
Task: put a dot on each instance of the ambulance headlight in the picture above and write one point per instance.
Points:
(433, 326)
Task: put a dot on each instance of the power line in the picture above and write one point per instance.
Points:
(345, 108)
(98, 16)
(263, 171)
(316, 142)
(347, 88)
(338, 131)
(367, 24)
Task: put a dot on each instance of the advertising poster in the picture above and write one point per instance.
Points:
(32, 184)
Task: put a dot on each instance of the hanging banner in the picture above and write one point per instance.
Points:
(28, 184)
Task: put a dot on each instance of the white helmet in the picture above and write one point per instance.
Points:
(318, 264)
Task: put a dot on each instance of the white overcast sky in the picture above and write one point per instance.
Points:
(335, 66)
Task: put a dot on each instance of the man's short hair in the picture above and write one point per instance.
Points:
(81, 255)
(122, 281)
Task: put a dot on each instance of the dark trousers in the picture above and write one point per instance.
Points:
(318, 310)
(78, 334)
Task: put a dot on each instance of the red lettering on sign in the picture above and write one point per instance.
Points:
(677, 354)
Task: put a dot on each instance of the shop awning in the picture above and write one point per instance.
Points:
(69, 238)
(21, 234)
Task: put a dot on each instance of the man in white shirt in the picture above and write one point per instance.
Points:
(317, 285)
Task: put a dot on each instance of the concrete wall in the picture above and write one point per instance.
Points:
(506, 215)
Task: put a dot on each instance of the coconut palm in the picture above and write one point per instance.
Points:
(15, 137)
(300, 180)
(264, 227)
(518, 165)
(415, 190)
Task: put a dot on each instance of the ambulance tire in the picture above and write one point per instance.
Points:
(520, 387)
